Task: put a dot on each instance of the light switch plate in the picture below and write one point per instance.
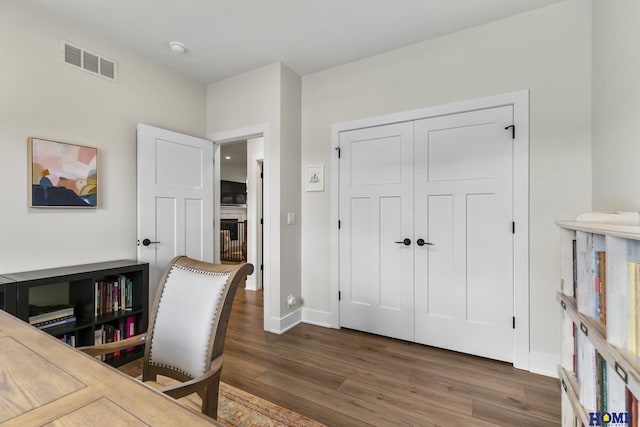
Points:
(291, 218)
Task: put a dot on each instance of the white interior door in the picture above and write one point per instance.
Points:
(376, 208)
(175, 199)
(463, 207)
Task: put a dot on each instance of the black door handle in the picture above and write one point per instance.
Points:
(405, 242)
(147, 242)
(421, 242)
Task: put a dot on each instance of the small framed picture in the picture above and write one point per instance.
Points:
(62, 175)
(315, 178)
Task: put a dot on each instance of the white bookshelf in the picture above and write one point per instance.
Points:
(585, 386)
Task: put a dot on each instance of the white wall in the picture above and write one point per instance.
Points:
(41, 96)
(290, 186)
(547, 51)
(616, 105)
(267, 97)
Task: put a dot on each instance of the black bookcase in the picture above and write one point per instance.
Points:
(8, 298)
(76, 286)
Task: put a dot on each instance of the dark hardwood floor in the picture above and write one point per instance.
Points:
(345, 377)
(349, 378)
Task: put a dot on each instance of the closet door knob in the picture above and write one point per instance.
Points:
(405, 242)
(147, 242)
(421, 242)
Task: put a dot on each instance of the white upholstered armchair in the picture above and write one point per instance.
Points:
(187, 328)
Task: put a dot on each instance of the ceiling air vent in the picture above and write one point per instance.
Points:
(91, 62)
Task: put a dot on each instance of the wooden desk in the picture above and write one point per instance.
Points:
(45, 381)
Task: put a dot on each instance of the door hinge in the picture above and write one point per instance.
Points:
(339, 295)
(261, 175)
(513, 227)
(339, 151)
(339, 224)
(261, 267)
(514, 322)
(261, 221)
(513, 131)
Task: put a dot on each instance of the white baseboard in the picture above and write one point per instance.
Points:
(544, 364)
(283, 324)
(251, 283)
(317, 317)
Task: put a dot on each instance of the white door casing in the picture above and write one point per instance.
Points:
(463, 207)
(175, 198)
(376, 201)
(271, 241)
(519, 101)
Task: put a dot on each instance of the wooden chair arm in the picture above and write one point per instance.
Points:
(194, 385)
(100, 349)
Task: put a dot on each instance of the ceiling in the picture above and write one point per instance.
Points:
(228, 37)
(237, 151)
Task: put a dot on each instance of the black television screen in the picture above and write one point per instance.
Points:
(233, 193)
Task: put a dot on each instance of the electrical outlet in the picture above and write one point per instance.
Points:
(291, 301)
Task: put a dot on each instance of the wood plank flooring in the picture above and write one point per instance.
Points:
(349, 378)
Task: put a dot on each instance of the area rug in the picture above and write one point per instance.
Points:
(238, 408)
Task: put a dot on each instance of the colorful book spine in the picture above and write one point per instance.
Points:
(57, 322)
(130, 330)
(113, 295)
(602, 278)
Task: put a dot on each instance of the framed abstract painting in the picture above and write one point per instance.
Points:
(62, 175)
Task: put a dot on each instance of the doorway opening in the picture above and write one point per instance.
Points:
(233, 202)
(240, 211)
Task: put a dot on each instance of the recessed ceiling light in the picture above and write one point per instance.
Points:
(227, 157)
(178, 47)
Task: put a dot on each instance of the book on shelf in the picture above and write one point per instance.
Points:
(600, 274)
(98, 338)
(69, 339)
(601, 383)
(575, 267)
(107, 334)
(130, 329)
(45, 313)
(56, 322)
(634, 307)
(632, 407)
(113, 294)
(35, 310)
(575, 349)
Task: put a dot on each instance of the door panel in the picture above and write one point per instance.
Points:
(361, 268)
(194, 224)
(164, 221)
(465, 158)
(460, 153)
(376, 161)
(390, 228)
(376, 204)
(175, 198)
(171, 153)
(440, 269)
(481, 265)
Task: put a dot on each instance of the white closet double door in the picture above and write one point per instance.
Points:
(426, 240)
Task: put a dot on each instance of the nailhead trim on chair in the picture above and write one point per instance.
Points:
(192, 270)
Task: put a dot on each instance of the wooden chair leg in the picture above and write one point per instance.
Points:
(210, 399)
